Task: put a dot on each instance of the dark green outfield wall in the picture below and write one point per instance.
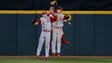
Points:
(89, 35)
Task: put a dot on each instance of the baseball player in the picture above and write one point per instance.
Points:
(53, 12)
(45, 22)
(57, 32)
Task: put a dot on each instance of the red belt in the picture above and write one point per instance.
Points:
(58, 27)
(46, 30)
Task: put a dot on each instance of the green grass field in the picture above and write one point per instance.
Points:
(54, 60)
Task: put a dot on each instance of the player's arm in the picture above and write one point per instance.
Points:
(53, 18)
(36, 22)
(53, 3)
(66, 17)
(51, 9)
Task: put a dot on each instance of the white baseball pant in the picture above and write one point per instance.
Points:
(45, 36)
(56, 40)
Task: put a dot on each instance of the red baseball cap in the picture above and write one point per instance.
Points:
(43, 13)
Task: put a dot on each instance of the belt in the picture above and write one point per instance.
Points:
(46, 30)
(58, 27)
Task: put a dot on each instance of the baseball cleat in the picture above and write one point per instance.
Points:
(45, 58)
(66, 42)
(37, 56)
(58, 55)
(53, 54)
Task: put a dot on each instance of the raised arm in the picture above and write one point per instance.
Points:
(67, 19)
(53, 3)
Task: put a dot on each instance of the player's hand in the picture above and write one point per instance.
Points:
(65, 20)
(53, 3)
(36, 23)
(33, 20)
(69, 23)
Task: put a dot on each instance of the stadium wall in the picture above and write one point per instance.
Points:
(90, 33)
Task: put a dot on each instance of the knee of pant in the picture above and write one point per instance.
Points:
(40, 40)
(62, 32)
(53, 39)
(59, 40)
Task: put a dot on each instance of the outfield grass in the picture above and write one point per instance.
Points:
(54, 60)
